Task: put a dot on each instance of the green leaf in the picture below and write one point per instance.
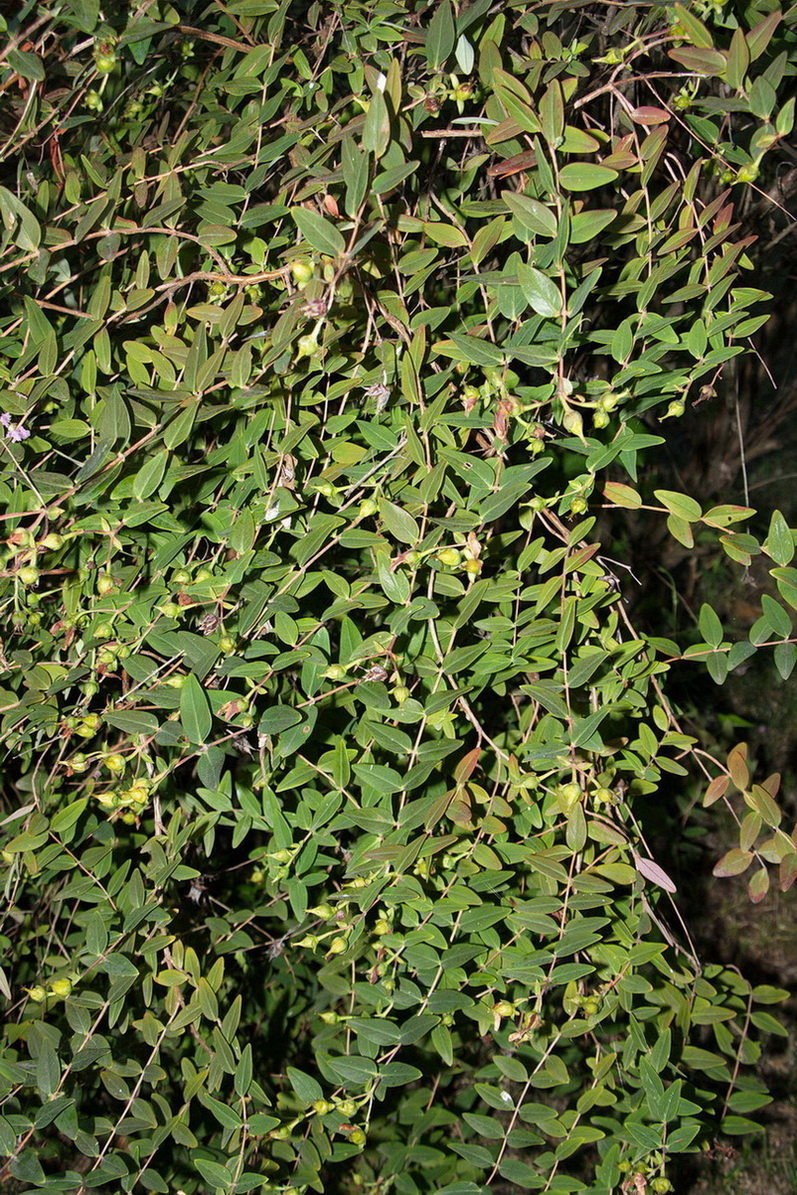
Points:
(587, 226)
(472, 349)
(586, 176)
(401, 525)
(785, 659)
(318, 232)
(680, 505)
(681, 530)
(26, 64)
(786, 579)
(710, 626)
(699, 62)
(622, 495)
(532, 215)
(195, 712)
(376, 130)
(306, 1087)
(150, 475)
(779, 543)
(541, 292)
(441, 35)
(694, 28)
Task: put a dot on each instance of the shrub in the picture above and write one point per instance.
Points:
(336, 340)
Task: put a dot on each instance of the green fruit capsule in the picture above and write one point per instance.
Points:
(503, 1008)
(450, 557)
(302, 271)
(28, 575)
(569, 795)
(85, 729)
(307, 346)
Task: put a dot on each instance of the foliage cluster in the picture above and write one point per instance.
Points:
(335, 338)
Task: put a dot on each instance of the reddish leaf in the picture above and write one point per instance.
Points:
(737, 766)
(657, 875)
(787, 872)
(758, 886)
(716, 789)
(467, 765)
(733, 863)
(649, 116)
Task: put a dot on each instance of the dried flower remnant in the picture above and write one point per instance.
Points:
(315, 308)
(380, 393)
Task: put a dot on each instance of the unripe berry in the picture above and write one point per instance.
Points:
(569, 795)
(302, 270)
(28, 575)
(105, 583)
(307, 346)
(503, 1008)
(450, 557)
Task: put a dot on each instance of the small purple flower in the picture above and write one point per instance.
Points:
(14, 431)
